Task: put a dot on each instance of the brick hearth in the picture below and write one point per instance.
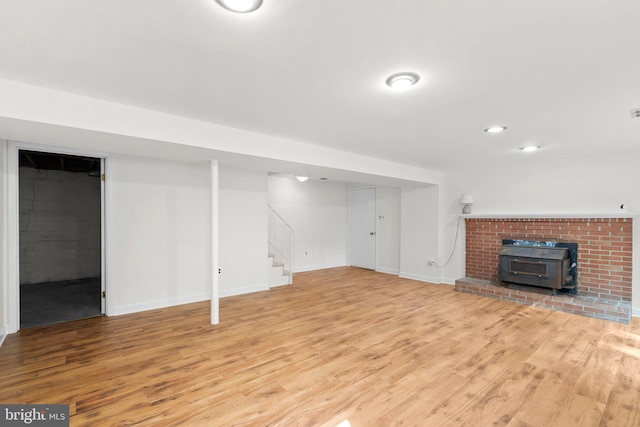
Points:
(604, 262)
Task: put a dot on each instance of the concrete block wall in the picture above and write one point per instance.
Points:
(59, 225)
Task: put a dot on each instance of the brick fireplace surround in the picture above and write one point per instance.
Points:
(604, 262)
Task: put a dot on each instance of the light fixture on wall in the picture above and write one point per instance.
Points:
(302, 178)
(401, 81)
(467, 201)
(240, 6)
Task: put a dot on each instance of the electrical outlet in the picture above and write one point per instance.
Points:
(306, 252)
(431, 261)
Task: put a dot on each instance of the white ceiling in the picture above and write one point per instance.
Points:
(562, 74)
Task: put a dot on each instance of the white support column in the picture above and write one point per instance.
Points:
(215, 265)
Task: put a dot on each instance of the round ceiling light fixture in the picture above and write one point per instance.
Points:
(530, 148)
(495, 129)
(302, 178)
(402, 81)
(240, 6)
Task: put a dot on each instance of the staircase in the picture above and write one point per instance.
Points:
(278, 274)
(280, 250)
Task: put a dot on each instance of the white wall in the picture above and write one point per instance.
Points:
(581, 186)
(243, 231)
(59, 225)
(159, 250)
(318, 211)
(3, 241)
(419, 233)
(388, 230)
(66, 112)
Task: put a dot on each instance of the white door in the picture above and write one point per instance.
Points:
(362, 232)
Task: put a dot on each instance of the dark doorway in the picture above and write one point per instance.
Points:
(60, 238)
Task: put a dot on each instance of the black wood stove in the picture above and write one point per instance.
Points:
(541, 266)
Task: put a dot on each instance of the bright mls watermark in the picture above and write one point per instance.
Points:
(34, 415)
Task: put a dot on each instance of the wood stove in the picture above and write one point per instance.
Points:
(541, 266)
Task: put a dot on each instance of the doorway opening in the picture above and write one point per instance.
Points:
(60, 237)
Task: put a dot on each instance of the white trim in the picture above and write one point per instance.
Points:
(22, 145)
(4, 226)
(241, 291)
(280, 285)
(3, 334)
(388, 271)
(420, 277)
(316, 267)
(13, 236)
(215, 236)
(163, 303)
(108, 235)
(621, 214)
(103, 236)
(448, 281)
(13, 239)
(635, 267)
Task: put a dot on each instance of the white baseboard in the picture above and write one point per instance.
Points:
(316, 267)
(388, 271)
(153, 305)
(448, 281)
(245, 290)
(3, 333)
(419, 277)
(279, 286)
(636, 312)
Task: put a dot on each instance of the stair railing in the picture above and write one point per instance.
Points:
(281, 241)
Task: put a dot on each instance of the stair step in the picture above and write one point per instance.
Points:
(278, 274)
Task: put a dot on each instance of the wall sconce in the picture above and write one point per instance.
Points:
(467, 201)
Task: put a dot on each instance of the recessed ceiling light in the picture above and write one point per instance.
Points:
(530, 148)
(496, 129)
(302, 178)
(240, 6)
(401, 81)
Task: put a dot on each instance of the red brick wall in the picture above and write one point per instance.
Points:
(604, 249)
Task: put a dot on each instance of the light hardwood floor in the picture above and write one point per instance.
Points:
(340, 344)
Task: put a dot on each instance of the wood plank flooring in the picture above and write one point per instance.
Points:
(340, 344)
